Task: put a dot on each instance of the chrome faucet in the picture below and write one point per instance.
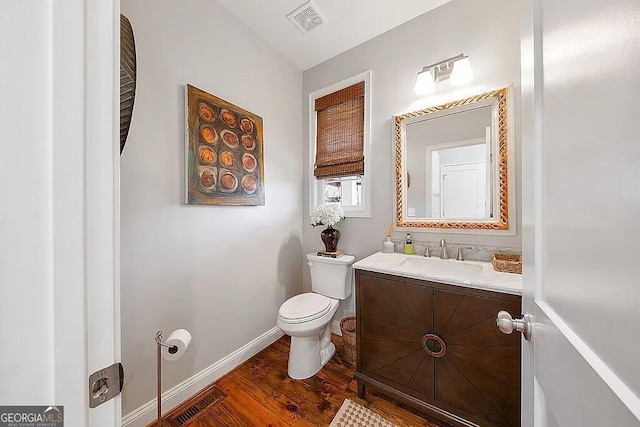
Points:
(460, 256)
(427, 252)
(443, 245)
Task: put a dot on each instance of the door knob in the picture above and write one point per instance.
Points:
(508, 324)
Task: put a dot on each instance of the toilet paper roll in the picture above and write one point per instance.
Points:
(179, 338)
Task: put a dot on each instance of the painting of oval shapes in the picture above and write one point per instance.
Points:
(210, 119)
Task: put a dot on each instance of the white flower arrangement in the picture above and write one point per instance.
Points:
(327, 214)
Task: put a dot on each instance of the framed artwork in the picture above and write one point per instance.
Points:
(224, 159)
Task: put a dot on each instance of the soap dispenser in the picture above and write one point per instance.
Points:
(408, 245)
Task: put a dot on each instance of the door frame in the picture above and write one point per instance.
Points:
(530, 92)
(84, 59)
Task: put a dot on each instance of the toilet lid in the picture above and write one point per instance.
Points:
(304, 308)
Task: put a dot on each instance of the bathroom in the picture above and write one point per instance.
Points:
(184, 254)
(223, 272)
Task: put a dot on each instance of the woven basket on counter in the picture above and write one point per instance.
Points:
(348, 328)
(507, 263)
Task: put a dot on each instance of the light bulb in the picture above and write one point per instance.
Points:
(424, 83)
(462, 72)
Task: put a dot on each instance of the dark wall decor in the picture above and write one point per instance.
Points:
(127, 78)
(224, 152)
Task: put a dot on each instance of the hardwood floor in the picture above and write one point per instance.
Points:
(260, 393)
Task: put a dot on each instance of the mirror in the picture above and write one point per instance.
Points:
(453, 165)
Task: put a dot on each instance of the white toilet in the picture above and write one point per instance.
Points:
(306, 317)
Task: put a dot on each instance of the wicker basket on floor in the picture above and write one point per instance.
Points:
(348, 328)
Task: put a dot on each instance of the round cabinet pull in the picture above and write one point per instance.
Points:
(438, 340)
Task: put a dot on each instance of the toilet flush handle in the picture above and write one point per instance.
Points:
(310, 263)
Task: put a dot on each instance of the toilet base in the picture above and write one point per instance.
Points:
(309, 354)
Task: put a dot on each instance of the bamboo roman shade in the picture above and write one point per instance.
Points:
(340, 133)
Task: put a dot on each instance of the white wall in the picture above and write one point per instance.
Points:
(26, 251)
(221, 272)
(488, 31)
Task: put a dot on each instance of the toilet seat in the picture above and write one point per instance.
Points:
(304, 308)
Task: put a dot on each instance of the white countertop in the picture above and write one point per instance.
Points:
(469, 274)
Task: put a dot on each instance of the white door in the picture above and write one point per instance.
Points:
(581, 212)
(59, 215)
(463, 190)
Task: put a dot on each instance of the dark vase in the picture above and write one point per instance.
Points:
(330, 237)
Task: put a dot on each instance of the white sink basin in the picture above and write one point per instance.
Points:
(443, 267)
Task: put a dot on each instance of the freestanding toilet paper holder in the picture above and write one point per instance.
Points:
(173, 349)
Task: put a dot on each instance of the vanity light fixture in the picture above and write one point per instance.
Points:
(457, 68)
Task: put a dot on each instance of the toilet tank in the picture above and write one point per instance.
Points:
(331, 277)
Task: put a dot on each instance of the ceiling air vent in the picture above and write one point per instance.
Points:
(306, 17)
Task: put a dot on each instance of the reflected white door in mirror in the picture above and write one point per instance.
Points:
(454, 166)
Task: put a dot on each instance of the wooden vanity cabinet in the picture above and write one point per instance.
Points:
(437, 348)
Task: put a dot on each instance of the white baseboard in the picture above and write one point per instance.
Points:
(335, 327)
(171, 398)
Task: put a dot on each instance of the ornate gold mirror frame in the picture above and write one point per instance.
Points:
(501, 221)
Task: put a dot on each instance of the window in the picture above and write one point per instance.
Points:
(339, 145)
(346, 190)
